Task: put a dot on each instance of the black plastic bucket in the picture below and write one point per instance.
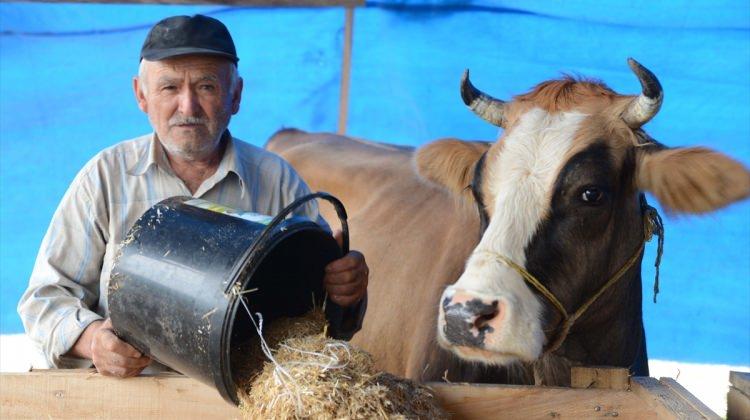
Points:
(174, 292)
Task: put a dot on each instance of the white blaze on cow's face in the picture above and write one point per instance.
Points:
(490, 314)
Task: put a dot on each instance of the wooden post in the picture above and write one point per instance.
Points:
(738, 398)
(346, 65)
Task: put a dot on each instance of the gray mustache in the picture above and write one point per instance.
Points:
(187, 120)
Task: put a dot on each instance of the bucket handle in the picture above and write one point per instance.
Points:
(337, 204)
(334, 312)
(271, 226)
(340, 212)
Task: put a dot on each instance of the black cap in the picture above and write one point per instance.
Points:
(183, 35)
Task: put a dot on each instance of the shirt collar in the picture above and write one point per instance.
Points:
(147, 157)
(230, 162)
(154, 156)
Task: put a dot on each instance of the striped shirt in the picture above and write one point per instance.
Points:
(68, 286)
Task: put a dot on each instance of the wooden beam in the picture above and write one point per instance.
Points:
(602, 377)
(526, 402)
(259, 3)
(86, 394)
(668, 402)
(738, 398)
(346, 67)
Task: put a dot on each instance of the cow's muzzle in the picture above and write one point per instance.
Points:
(468, 319)
(488, 329)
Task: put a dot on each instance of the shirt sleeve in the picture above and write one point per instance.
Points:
(63, 289)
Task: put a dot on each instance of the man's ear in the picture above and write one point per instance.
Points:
(139, 96)
(237, 96)
(449, 163)
(692, 180)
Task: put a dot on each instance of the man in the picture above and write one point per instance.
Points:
(189, 87)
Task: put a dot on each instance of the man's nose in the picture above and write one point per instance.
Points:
(189, 104)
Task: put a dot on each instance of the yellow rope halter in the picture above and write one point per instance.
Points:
(652, 225)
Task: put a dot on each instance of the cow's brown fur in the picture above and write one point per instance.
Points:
(451, 163)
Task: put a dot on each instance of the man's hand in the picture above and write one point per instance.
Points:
(346, 279)
(114, 357)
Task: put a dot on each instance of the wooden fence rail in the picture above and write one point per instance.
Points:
(86, 394)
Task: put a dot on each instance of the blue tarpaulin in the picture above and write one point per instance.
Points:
(65, 94)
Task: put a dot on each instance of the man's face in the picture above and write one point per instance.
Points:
(189, 102)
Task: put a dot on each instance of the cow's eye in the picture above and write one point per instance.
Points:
(592, 195)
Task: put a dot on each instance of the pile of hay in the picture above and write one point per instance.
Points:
(320, 378)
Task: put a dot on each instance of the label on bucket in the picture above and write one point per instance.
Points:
(218, 208)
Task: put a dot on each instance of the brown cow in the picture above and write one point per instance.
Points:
(554, 280)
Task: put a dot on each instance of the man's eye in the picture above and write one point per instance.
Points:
(169, 87)
(209, 88)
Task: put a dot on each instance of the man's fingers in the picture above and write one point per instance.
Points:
(115, 357)
(348, 262)
(344, 289)
(113, 371)
(112, 364)
(346, 279)
(344, 301)
(341, 278)
(117, 360)
(112, 343)
(120, 372)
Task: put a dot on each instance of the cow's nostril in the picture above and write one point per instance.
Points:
(482, 320)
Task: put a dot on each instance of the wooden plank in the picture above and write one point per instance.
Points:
(738, 405)
(77, 394)
(346, 69)
(663, 399)
(601, 377)
(260, 3)
(689, 398)
(526, 402)
(86, 394)
(740, 381)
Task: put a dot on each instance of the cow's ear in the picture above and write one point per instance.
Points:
(693, 179)
(449, 162)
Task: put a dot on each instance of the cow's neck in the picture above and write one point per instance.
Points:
(617, 339)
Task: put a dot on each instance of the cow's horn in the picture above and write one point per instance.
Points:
(647, 104)
(487, 107)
